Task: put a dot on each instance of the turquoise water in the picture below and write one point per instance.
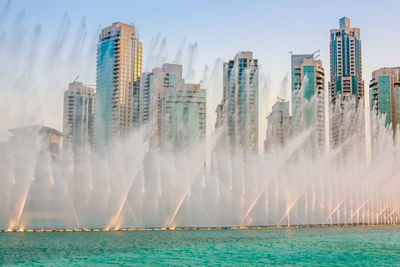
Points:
(307, 246)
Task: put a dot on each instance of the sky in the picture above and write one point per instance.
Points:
(214, 31)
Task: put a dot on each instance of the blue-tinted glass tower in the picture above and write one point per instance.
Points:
(345, 57)
(119, 66)
(385, 95)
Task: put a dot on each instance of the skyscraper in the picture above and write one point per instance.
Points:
(175, 110)
(296, 61)
(385, 95)
(239, 104)
(148, 96)
(308, 80)
(182, 116)
(345, 57)
(78, 120)
(119, 66)
(308, 83)
(28, 137)
(278, 128)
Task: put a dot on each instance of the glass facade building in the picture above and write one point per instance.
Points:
(345, 58)
(384, 95)
(278, 127)
(78, 118)
(296, 62)
(119, 66)
(239, 107)
(175, 110)
(308, 89)
(308, 77)
(182, 116)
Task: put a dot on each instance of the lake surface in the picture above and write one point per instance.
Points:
(304, 246)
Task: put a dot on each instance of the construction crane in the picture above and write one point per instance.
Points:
(76, 78)
(317, 54)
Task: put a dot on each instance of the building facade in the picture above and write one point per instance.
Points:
(78, 118)
(39, 147)
(175, 110)
(119, 66)
(278, 127)
(308, 82)
(385, 95)
(47, 139)
(239, 106)
(308, 99)
(296, 62)
(345, 58)
(152, 84)
(182, 116)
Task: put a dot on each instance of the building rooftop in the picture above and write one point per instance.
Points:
(115, 29)
(344, 23)
(35, 128)
(79, 87)
(244, 54)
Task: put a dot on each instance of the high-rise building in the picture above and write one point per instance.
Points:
(78, 120)
(49, 140)
(278, 127)
(296, 62)
(182, 116)
(175, 110)
(345, 57)
(152, 84)
(239, 104)
(119, 66)
(39, 147)
(308, 81)
(385, 95)
(308, 102)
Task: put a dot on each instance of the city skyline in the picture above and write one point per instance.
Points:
(273, 67)
(199, 132)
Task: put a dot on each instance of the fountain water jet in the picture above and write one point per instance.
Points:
(131, 185)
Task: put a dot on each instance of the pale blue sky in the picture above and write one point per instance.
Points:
(220, 28)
